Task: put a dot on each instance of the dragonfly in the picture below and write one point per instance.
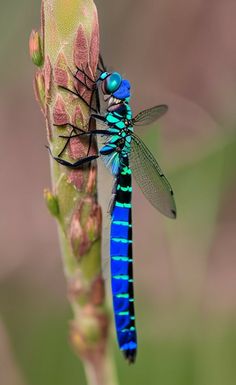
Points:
(126, 155)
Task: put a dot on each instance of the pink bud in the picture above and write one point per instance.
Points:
(35, 49)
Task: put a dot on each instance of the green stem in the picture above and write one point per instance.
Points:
(71, 39)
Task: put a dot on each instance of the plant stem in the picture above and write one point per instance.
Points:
(70, 39)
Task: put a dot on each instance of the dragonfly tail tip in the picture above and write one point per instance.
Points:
(130, 355)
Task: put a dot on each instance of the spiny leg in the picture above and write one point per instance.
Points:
(75, 165)
(90, 88)
(76, 93)
(80, 81)
(85, 74)
(99, 117)
(89, 133)
(67, 142)
(93, 89)
(74, 129)
(92, 132)
(79, 96)
(81, 132)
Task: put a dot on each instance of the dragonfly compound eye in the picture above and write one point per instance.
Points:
(112, 83)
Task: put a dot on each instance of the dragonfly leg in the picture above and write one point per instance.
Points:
(89, 133)
(98, 117)
(85, 74)
(92, 88)
(75, 128)
(81, 82)
(90, 136)
(76, 164)
(92, 132)
(80, 97)
(68, 137)
(67, 142)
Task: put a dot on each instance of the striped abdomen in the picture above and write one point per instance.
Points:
(121, 263)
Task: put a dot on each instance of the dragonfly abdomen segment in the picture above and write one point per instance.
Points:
(122, 264)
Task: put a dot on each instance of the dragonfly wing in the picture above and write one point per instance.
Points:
(150, 115)
(112, 162)
(151, 179)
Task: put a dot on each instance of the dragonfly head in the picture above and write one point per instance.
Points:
(114, 85)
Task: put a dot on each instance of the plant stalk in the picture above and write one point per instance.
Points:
(69, 39)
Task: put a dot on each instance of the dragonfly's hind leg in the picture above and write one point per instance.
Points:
(74, 165)
(81, 132)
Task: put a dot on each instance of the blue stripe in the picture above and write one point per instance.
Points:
(129, 346)
(121, 214)
(121, 324)
(119, 231)
(119, 286)
(120, 268)
(119, 248)
(121, 305)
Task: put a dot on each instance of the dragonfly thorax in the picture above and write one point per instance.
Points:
(120, 144)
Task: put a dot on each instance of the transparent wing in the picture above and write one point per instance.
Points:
(150, 115)
(151, 179)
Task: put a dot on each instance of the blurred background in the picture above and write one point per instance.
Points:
(180, 53)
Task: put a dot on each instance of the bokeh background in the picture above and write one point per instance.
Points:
(182, 53)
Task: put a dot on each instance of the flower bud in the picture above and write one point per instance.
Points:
(52, 203)
(35, 49)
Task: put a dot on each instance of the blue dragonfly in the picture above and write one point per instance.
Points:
(125, 154)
